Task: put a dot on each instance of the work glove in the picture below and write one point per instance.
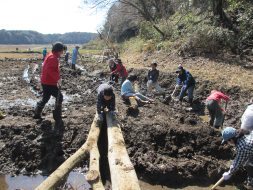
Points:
(226, 176)
(100, 117)
(150, 81)
(113, 113)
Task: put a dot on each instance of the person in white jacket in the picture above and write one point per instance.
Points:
(247, 119)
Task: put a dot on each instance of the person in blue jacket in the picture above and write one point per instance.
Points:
(75, 53)
(44, 53)
(185, 79)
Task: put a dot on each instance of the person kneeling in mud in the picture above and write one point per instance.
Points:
(214, 108)
(105, 99)
(153, 75)
(244, 153)
(128, 91)
(50, 81)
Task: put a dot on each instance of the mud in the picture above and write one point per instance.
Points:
(168, 144)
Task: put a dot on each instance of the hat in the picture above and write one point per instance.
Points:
(179, 68)
(154, 63)
(228, 133)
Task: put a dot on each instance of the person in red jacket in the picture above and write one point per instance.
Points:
(50, 81)
(120, 70)
(214, 108)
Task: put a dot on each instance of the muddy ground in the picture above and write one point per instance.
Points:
(167, 144)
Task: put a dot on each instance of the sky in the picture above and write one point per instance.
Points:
(50, 16)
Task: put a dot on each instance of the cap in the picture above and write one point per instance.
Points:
(228, 133)
(179, 68)
(154, 63)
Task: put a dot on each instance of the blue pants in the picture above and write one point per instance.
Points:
(189, 91)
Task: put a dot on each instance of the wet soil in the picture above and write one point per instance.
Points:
(168, 144)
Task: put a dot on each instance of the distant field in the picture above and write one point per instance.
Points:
(8, 50)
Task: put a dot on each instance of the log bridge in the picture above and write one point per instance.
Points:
(123, 175)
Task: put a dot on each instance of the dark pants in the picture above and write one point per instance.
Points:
(215, 112)
(73, 66)
(48, 91)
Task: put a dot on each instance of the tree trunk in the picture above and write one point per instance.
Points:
(82, 153)
(123, 176)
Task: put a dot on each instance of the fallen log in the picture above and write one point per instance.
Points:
(123, 176)
(89, 146)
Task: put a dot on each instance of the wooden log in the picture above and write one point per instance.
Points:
(93, 176)
(123, 176)
(53, 180)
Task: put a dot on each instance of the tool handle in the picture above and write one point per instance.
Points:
(218, 183)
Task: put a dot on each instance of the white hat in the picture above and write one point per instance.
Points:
(247, 119)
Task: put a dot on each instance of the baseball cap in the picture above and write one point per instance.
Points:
(179, 68)
(228, 133)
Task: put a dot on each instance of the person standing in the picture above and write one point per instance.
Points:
(185, 79)
(105, 99)
(66, 58)
(153, 75)
(50, 81)
(44, 53)
(213, 105)
(120, 70)
(244, 153)
(75, 53)
(112, 66)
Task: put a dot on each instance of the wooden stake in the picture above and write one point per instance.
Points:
(133, 102)
(82, 153)
(123, 176)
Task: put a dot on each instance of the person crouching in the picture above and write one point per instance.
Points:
(105, 99)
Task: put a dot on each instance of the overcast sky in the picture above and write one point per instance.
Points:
(50, 16)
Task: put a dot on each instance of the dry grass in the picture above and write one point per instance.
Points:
(205, 69)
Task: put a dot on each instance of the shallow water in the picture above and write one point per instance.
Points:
(75, 180)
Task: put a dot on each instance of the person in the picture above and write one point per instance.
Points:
(75, 53)
(128, 91)
(247, 118)
(244, 153)
(120, 70)
(153, 75)
(105, 99)
(44, 53)
(66, 58)
(50, 81)
(213, 105)
(112, 66)
(185, 79)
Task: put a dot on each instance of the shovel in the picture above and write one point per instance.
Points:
(218, 183)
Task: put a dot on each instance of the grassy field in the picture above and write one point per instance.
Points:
(10, 51)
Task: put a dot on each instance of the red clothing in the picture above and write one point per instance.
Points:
(216, 95)
(121, 70)
(50, 71)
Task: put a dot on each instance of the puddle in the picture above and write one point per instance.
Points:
(75, 181)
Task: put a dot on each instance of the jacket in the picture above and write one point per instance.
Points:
(126, 87)
(121, 70)
(216, 95)
(244, 151)
(186, 79)
(101, 102)
(50, 71)
(153, 75)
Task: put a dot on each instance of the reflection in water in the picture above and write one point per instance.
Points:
(75, 180)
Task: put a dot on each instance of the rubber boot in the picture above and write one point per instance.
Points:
(191, 101)
(37, 112)
(57, 115)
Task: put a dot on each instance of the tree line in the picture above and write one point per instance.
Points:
(33, 37)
